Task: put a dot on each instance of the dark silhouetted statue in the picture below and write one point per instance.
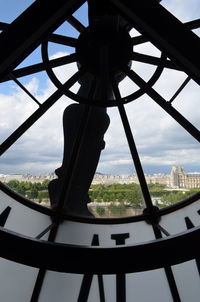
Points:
(81, 172)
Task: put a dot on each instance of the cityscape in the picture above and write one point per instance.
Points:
(176, 179)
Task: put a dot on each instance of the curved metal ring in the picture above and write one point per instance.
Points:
(107, 103)
(75, 259)
(121, 220)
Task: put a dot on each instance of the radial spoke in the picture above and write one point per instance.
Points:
(180, 89)
(193, 24)
(158, 230)
(76, 24)
(24, 88)
(68, 41)
(165, 232)
(133, 150)
(164, 104)
(139, 40)
(38, 113)
(152, 60)
(40, 235)
(21, 72)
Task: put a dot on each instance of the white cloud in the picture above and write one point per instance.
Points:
(184, 10)
(160, 140)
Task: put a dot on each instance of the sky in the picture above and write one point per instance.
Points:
(160, 140)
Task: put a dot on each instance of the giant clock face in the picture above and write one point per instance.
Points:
(58, 254)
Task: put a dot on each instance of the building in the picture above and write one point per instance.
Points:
(180, 179)
(27, 177)
(177, 179)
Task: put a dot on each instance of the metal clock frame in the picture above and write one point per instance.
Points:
(170, 37)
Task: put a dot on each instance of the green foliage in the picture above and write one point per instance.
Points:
(156, 187)
(123, 193)
(44, 184)
(174, 197)
(117, 209)
(43, 194)
(100, 210)
(30, 189)
(32, 194)
(118, 195)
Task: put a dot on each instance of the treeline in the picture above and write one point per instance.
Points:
(31, 190)
(129, 194)
(173, 197)
(122, 194)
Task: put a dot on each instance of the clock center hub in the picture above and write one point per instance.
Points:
(104, 48)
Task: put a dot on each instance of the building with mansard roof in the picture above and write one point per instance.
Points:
(180, 179)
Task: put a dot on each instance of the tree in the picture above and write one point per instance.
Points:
(174, 197)
(44, 184)
(44, 194)
(32, 194)
(100, 211)
(136, 199)
(13, 184)
(117, 209)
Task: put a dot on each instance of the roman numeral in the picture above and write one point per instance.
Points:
(4, 216)
(168, 270)
(120, 239)
(190, 225)
(87, 281)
